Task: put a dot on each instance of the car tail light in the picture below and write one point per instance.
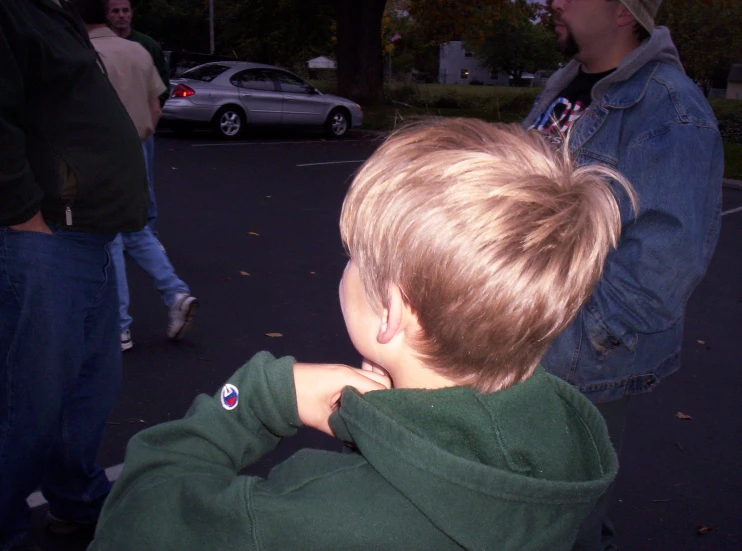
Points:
(182, 91)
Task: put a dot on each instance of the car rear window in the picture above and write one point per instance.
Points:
(255, 79)
(205, 73)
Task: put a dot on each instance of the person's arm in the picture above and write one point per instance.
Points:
(155, 111)
(664, 252)
(20, 195)
(164, 71)
(181, 488)
(155, 87)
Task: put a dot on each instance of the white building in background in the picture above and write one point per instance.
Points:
(458, 66)
(321, 62)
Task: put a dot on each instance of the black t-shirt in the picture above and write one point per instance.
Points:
(569, 105)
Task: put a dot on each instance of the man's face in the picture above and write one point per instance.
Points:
(580, 24)
(119, 14)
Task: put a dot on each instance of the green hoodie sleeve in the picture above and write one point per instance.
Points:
(180, 481)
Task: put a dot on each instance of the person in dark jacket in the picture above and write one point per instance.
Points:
(72, 175)
(471, 247)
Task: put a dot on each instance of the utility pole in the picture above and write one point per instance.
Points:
(211, 26)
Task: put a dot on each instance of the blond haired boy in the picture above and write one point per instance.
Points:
(472, 245)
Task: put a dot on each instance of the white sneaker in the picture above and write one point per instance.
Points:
(181, 315)
(126, 342)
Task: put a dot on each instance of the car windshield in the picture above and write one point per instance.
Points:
(205, 73)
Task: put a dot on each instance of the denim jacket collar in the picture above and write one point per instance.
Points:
(625, 86)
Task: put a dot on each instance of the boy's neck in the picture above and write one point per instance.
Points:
(426, 380)
(410, 372)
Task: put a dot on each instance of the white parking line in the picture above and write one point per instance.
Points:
(738, 209)
(36, 499)
(333, 163)
(271, 143)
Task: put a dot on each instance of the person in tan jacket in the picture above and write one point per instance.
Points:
(134, 76)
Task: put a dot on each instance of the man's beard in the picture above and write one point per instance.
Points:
(568, 45)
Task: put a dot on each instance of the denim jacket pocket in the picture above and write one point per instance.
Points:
(602, 339)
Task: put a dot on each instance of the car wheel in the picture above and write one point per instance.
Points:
(338, 123)
(229, 122)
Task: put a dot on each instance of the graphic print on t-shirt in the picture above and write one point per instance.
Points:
(559, 116)
(570, 105)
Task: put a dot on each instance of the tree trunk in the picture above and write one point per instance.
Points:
(359, 55)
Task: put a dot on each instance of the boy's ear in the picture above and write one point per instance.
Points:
(392, 317)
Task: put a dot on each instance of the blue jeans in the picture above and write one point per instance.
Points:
(148, 147)
(60, 373)
(145, 250)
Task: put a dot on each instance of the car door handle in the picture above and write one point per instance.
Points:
(289, 98)
(246, 95)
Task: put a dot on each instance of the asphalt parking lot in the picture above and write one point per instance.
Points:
(251, 226)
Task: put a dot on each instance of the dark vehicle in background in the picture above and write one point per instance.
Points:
(228, 96)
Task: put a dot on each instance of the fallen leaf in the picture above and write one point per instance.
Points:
(252, 233)
(681, 415)
(702, 529)
(174, 167)
(660, 500)
(136, 421)
(679, 446)
(267, 196)
(244, 273)
(701, 342)
(312, 273)
(274, 335)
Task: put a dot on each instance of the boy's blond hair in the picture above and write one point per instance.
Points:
(494, 239)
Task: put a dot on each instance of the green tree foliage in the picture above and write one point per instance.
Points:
(440, 21)
(409, 54)
(515, 38)
(280, 32)
(176, 24)
(707, 34)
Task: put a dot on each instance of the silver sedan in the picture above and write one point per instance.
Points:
(229, 95)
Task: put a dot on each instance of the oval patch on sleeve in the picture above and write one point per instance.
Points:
(230, 397)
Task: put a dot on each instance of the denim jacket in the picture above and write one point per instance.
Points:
(649, 121)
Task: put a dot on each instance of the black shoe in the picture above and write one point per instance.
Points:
(65, 528)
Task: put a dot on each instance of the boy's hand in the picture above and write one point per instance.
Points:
(319, 386)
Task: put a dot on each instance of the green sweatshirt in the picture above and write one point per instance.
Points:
(158, 57)
(436, 470)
